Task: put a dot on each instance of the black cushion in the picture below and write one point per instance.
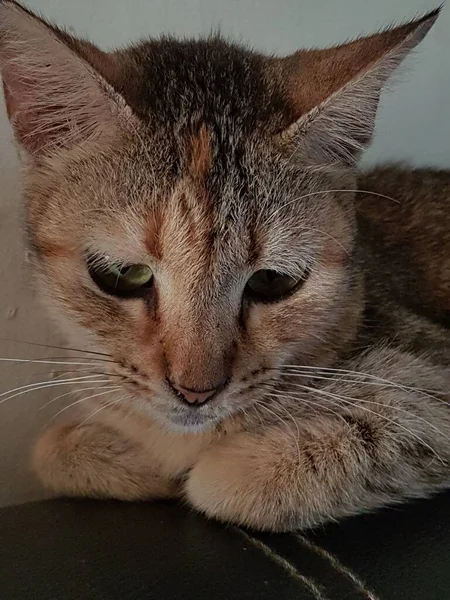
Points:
(74, 550)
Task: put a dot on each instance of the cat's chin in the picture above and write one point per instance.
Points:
(191, 424)
(187, 421)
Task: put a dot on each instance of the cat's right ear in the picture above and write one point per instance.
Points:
(55, 97)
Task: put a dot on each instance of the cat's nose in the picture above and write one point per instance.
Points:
(194, 397)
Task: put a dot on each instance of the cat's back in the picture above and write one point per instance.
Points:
(405, 237)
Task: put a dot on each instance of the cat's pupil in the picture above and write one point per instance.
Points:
(267, 285)
(272, 276)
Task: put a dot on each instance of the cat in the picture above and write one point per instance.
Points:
(264, 328)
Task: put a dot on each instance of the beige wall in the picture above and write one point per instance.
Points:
(20, 318)
(412, 125)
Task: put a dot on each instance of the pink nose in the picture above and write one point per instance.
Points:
(194, 396)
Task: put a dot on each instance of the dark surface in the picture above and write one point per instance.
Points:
(70, 550)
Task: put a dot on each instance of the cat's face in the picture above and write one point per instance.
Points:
(205, 312)
(183, 207)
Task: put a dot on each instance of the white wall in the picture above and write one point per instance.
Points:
(412, 125)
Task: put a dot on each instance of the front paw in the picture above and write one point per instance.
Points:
(247, 481)
(98, 462)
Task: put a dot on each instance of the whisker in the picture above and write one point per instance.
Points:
(319, 192)
(47, 382)
(329, 370)
(247, 411)
(32, 387)
(88, 360)
(108, 390)
(391, 406)
(410, 414)
(53, 347)
(354, 403)
(91, 370)
(281, 396)
(56, 375)
(381, 384)
(331, 237)
(48, 362)
(107, 405)
(75, 391)
(42, 387)
(296, 438)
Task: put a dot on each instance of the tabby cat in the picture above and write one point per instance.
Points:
(265, 326)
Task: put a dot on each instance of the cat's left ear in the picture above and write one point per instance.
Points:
(55, 95)
(335, 92)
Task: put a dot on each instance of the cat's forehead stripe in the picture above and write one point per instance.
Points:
(201, 154)
(153, 234)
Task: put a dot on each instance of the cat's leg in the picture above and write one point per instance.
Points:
(386, 443)
(98, 461)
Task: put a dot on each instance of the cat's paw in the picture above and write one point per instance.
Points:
(98, 462)
(245, 480)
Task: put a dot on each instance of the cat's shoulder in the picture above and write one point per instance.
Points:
(404, 223)
(403, 189)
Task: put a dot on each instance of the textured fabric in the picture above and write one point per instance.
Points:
(73, 550)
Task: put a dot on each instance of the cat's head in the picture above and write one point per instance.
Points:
(185, 203)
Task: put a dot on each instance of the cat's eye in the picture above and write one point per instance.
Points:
(121, 280)
(270, 286)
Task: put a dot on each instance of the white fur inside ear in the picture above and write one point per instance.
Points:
(339, 128)
(54, 98)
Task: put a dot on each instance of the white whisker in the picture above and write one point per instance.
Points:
(107, 405)
(390, 406)
(33, 387)
(354, 403)
(108, 390)
(48, 382)
(296, 437)
(304, 369)
(321, 192)
(49, 362)
(381, 384)
(75, 391)
(53, 347)
(91, 370)
(281, 396)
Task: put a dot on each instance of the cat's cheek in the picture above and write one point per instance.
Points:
(236, 482)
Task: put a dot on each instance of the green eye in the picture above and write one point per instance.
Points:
(122, 280)
(270, 286)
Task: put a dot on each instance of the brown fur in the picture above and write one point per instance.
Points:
(315, 75)
(201, 159)
(217, 163)
(411, 234)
